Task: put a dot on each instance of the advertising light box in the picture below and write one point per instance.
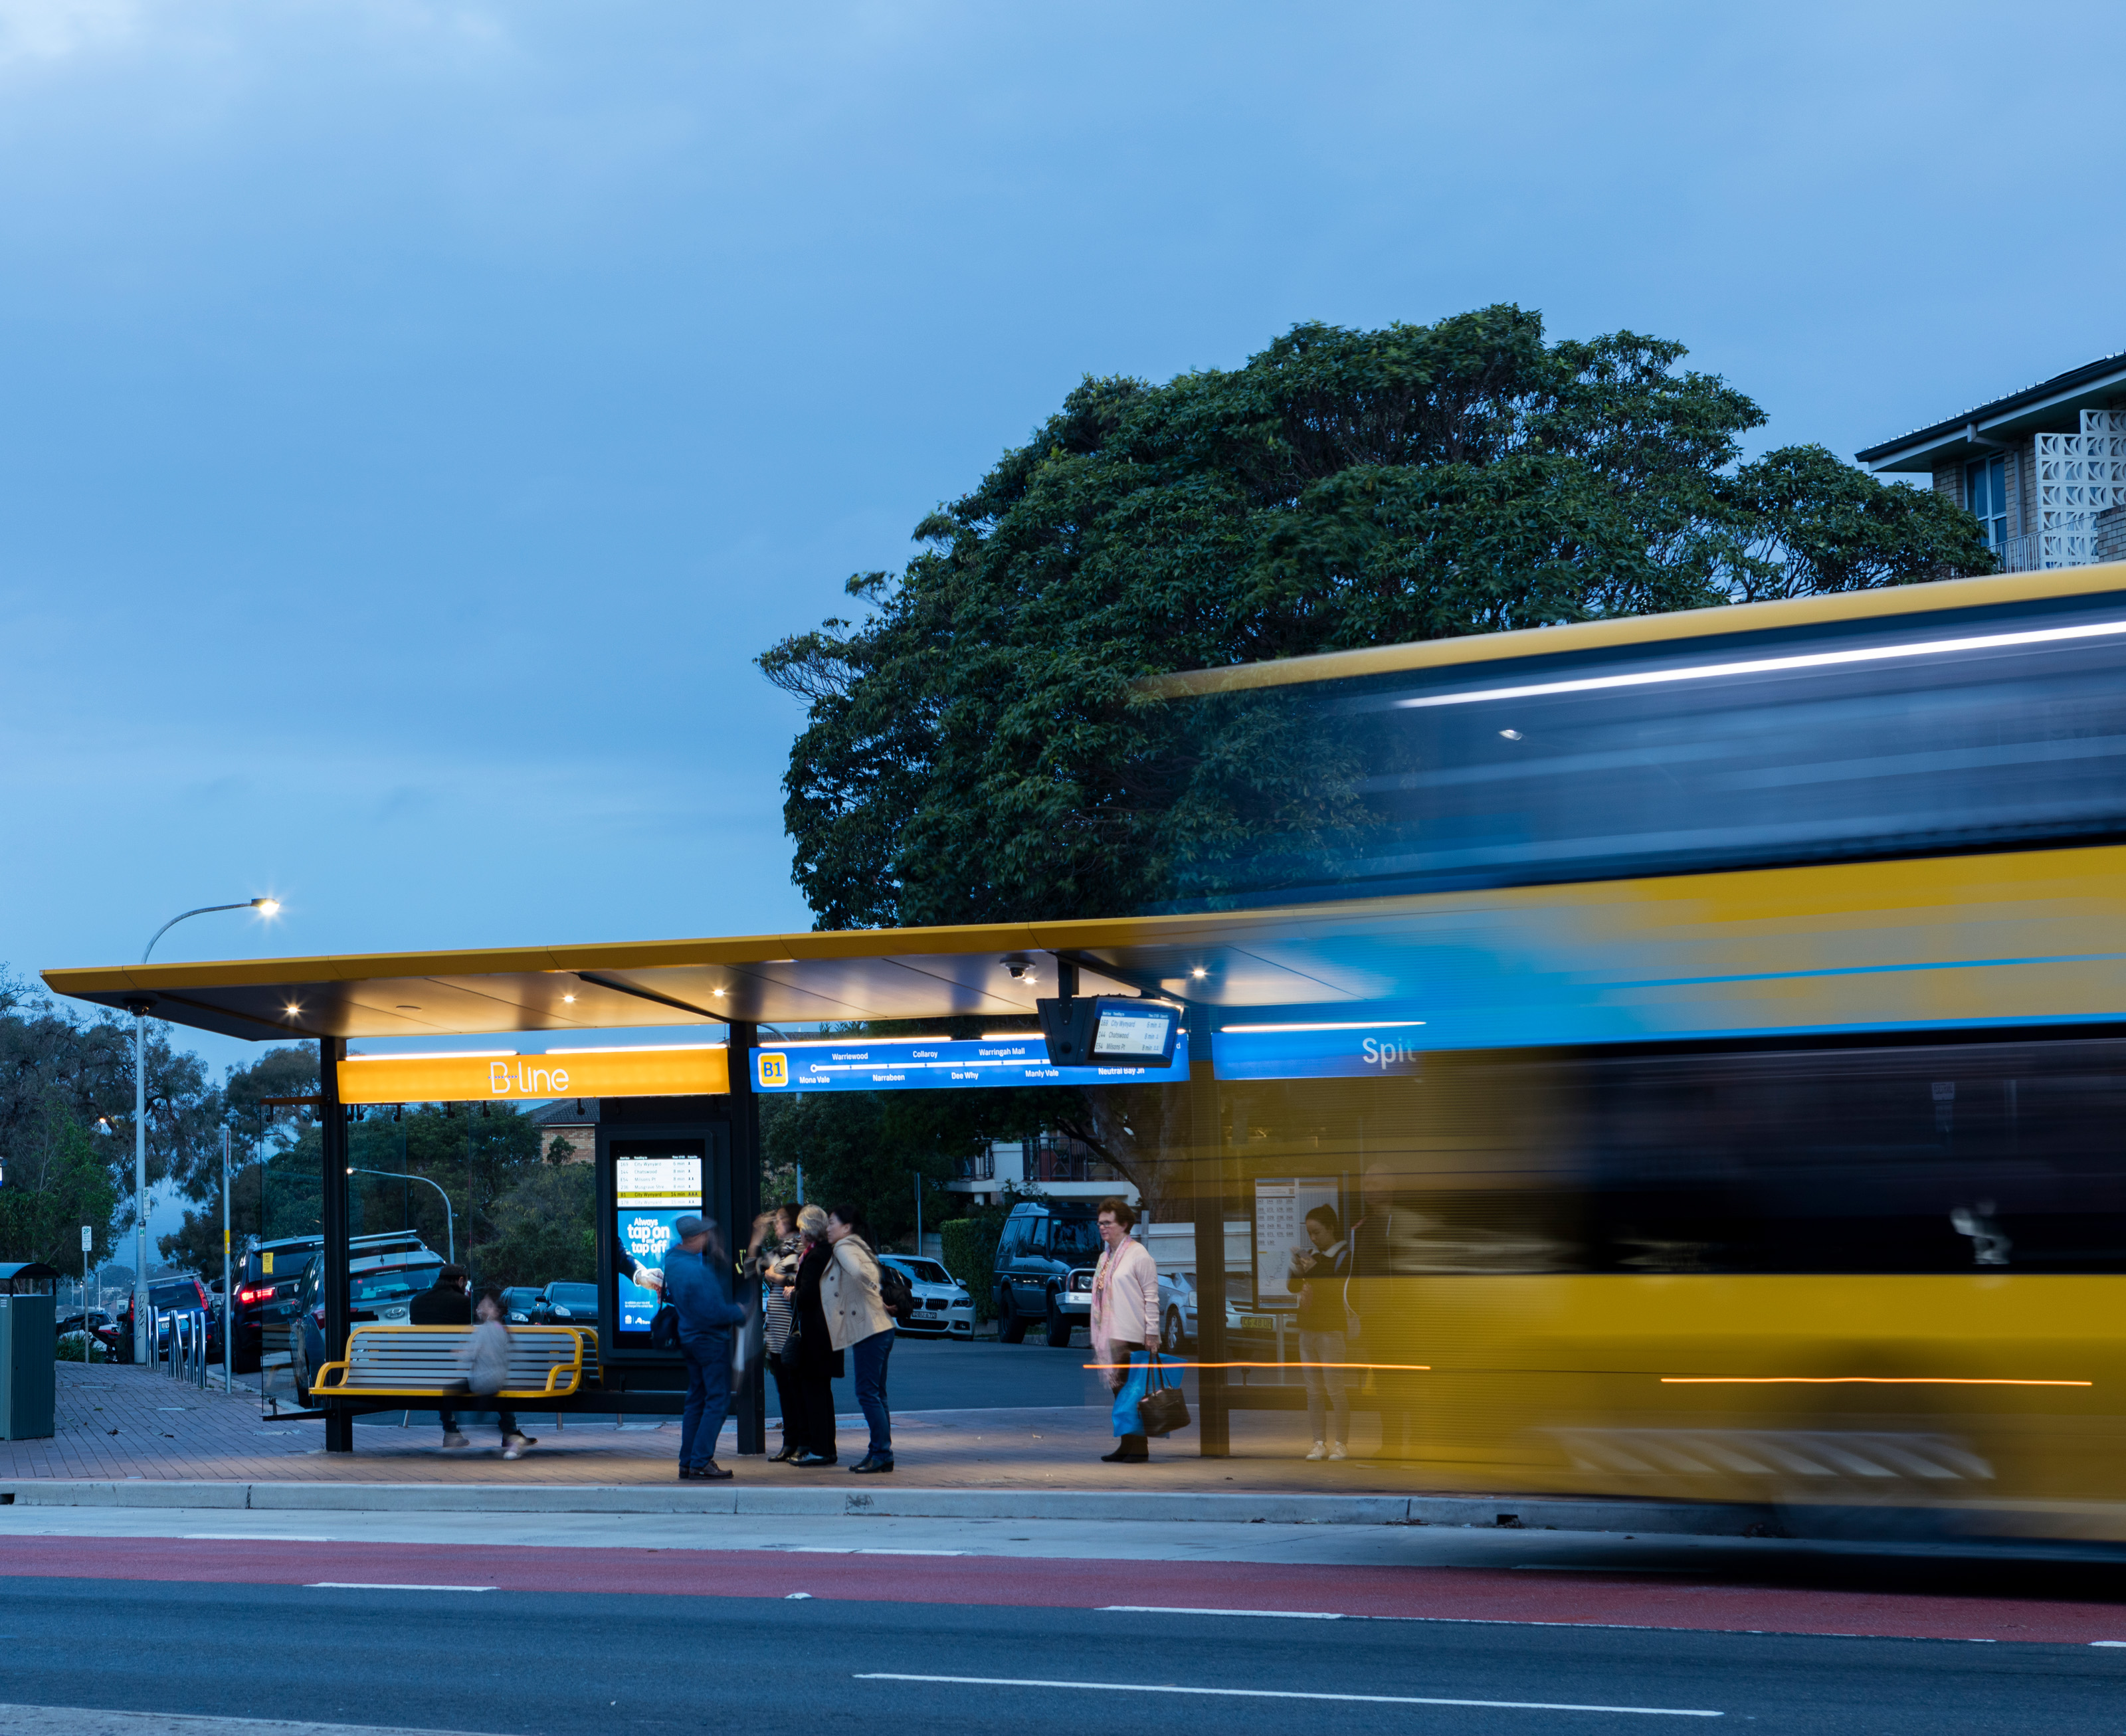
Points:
(928, 1064)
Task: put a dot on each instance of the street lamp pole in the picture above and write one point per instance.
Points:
(449, 1219)
(143, 1331)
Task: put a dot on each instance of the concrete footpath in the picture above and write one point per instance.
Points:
(131, 1438)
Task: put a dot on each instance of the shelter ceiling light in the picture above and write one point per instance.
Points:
(1198, 971)
(570, 1000)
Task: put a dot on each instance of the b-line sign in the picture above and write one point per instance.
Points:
(927, 1064)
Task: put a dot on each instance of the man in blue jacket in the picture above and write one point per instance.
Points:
(695, 1285)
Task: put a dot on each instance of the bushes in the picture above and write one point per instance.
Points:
(969, 1249)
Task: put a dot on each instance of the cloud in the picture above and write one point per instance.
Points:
(47, 30)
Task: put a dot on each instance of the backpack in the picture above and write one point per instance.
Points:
(895, 1292)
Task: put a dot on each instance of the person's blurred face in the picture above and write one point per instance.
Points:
(1317, 1232)
(1112, 1232)
(785, 1222)
(836, 1229)
(695, 1244)
(488, 1309)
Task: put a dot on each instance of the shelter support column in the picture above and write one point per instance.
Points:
(751, 1399)
(332, 1127)
(1206, 1166)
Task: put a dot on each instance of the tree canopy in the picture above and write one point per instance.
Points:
(976, 749)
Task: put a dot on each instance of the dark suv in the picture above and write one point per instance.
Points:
(385, 1273)
(1044, 1269)
(181, 1294)
(265, 1292)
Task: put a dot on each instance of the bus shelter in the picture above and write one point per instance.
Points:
(679, 1125)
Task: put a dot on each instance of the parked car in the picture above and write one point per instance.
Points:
(1177, 1312)
(381, 1285)
(518, 1302)
(944, 1309)
(183, 1294)
(567, 1305)
(94, 1320)
(266, 1291)
(1044, 1267)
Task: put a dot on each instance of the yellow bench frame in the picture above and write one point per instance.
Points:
(329, 1381)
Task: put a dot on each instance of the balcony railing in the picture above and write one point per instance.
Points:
(2018, 554)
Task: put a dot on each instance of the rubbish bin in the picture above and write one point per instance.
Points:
(28, 1340)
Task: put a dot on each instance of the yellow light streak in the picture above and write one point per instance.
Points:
(1856, 1380)
(1168, 1362)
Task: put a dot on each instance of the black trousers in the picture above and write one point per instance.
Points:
(788, 1401)
(815, 1404)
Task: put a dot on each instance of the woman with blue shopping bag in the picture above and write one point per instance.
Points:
(1124, 1325)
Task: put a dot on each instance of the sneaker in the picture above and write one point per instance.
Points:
(517, 1446)
(1320, 1452)
(1336, 1451)
(455, 1440)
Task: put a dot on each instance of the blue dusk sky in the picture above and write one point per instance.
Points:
(415, 417)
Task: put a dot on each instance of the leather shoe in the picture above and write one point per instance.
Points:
(788, 1454)
(806, 1461)
(712, 1473)
(871, 1463)
(1122, 1455)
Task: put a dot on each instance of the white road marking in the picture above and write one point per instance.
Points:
(1162, 1608)
(363, 1584)
(1158, 1687)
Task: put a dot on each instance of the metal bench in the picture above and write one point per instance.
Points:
(545, 1362)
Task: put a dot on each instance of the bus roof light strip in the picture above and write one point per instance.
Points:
(1773, 665)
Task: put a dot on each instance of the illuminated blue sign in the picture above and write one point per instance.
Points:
(1389, 1048)
(934, 1064)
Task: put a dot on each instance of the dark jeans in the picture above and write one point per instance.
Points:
(816, 1411)
(708, 1398)
(450, 1420)
(870, 1355)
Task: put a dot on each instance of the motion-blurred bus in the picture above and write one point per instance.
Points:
(1746, 1113)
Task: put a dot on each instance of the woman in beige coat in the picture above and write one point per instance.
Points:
(1125, 1318)
(859, 1322)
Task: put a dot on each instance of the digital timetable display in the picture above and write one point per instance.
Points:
(655, 1184)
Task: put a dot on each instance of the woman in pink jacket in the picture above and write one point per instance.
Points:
(1124, 1325)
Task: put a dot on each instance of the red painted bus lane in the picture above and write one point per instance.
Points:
(1430, 1593)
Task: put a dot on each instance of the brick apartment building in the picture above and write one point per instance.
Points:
(2044, 469)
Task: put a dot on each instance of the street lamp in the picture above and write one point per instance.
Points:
(450, 1219)
(143, 1329)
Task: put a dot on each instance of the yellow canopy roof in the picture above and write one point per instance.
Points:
(1244, 959)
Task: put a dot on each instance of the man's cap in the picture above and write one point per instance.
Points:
(686, 1228)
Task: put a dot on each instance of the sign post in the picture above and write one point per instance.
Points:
(88, 1333)
(228, 1286)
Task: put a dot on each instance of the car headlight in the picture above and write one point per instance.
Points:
(564, 1313)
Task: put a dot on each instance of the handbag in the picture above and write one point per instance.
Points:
(664, 1328)
(1163, 1409)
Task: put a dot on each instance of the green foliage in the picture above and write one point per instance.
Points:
(1805, 523)
(970, 1252)
(976, 750)
(50, 1057)
(543, 1231)
(57, 1182)
(70, 1350)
